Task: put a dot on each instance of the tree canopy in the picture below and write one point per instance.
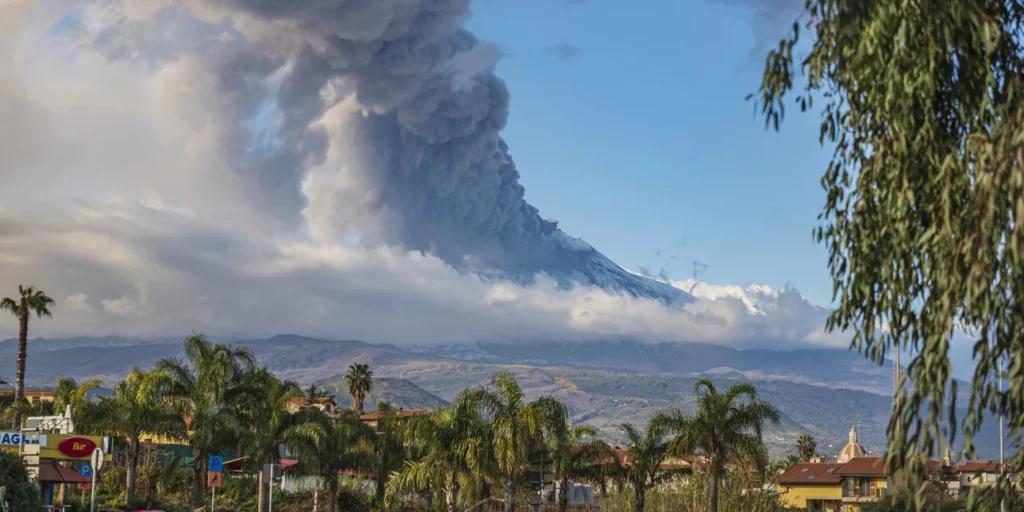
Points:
(921, 103)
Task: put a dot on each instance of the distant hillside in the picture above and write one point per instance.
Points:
(604, 384)
(293, 357)
(397, 392)
(816, 366)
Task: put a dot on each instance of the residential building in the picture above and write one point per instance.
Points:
(864, 479)
(834, 487)
(325, 405)
(34, 396)
(371, 418)
(973, 474)
(812, 485)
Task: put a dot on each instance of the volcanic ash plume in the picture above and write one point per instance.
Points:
(378, 119)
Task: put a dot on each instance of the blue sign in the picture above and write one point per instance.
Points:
(85, 469)
(14, 439)
(216, 463)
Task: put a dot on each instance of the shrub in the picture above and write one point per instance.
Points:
(18, 492)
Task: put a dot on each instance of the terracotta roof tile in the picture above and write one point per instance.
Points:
(670, 463)
(811, 473)
(975, 466)
(864, 466)
(406, 413)
(53, 472)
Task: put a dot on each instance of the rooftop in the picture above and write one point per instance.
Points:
(864, 466)
(975, 466)
(811, 473)
(406, 413)
(671, 463)
(50, 471)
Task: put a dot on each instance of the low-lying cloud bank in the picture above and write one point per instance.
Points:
(163, 169)
(132, 269)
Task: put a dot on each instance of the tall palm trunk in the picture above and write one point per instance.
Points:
(381, 481)
(19, 381)
(450, 493)
(641, 497)
(332, 490)
(133, 462)
(510, 493)
(563, 495)
(197, 481)
(714, 487)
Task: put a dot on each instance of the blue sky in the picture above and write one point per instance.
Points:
(643, 140)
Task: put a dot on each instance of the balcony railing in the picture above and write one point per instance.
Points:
(863, 492)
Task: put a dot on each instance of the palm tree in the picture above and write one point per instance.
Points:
(135, 409)
(453, 454)
(30, 301)
(70, 393)
(724, 428)
(266, 418)
(517, 426)
(388, 444)
(360, 381)
(201, 393)
(805, 447)
(325, 447)
(576, 454)
(313, 392)
(15, 410)
(641, 467)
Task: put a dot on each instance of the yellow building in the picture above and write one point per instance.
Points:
(812, 485)
(865, 479)
(836, 487)
(34, 396)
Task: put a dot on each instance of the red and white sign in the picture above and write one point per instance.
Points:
(76, 447)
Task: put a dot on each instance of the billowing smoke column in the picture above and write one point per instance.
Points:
(375, 117)
(421, 110)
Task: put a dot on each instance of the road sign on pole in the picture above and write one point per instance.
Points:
(85, 469)
(97, 460)
(96, 463)
(213, 479)
(214, 468)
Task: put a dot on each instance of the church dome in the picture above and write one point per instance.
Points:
(852, 449)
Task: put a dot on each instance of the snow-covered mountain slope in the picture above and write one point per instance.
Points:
(591, 268)
(759, 299)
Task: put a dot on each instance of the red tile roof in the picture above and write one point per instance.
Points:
(811, 473)
(406, 413)
(55, 473)
(864, 466)
(670, 463)
(977, 467)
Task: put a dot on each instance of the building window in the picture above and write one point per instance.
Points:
(865, 487)
(991, 477)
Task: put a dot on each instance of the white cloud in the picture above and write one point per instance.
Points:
(153, 269)
(78, 302)
(128, 305)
